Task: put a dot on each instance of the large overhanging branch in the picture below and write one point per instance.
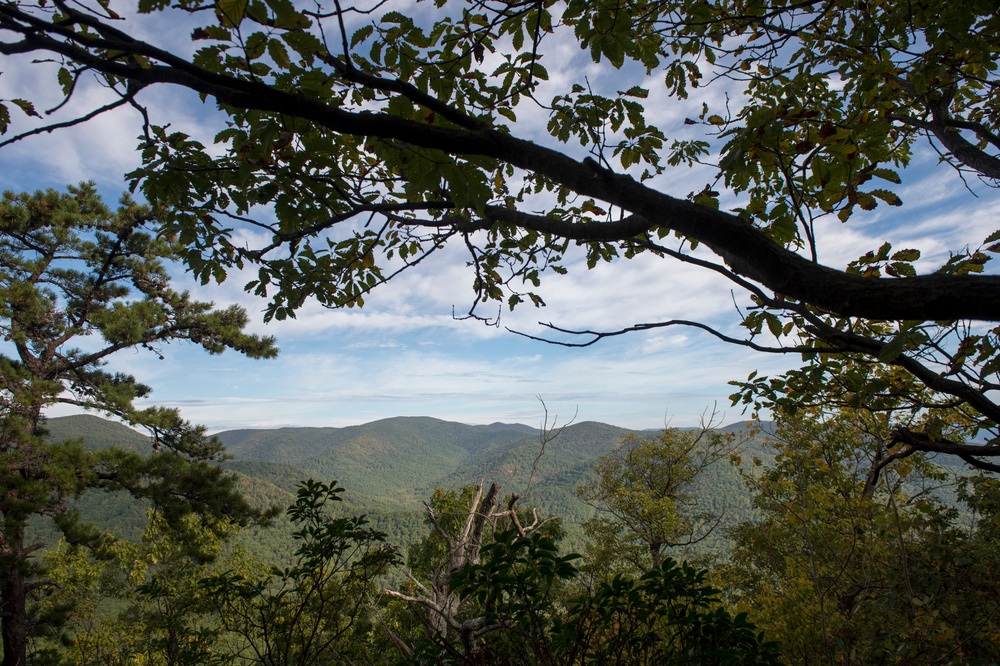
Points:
(851, 342)
(746, 249)
(970, 453)
(946, 130)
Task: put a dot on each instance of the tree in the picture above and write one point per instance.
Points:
(379, 136)
(503, 593)
(669, 615)
(462, 524)
(133, 602)
(644, 492)
(74, 273)
(312, 611)
(849, 567)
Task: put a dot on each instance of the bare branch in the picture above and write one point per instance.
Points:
(47, 129)
(597, 336)
(547, 435)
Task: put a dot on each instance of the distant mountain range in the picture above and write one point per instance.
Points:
(389, 467)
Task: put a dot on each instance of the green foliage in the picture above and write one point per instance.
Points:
(95, 432)
(842, 566)
(376, 147)
(854, 561)
(446, 519)
(462, 454)
(395, 463)
(400, 460)
(644, 492)
(670, 615)
(450, 509)
(130, 603)
(530, 616)
(912, 383)
(71, 269)
(312, 612)
(515, 587)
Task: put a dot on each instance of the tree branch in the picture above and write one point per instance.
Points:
(747, 250)
(970, 453)
(597, 336)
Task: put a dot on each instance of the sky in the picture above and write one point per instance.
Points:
(405, 354)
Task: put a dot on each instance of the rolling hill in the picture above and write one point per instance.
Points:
(397, 460)
(389, 467)
(96, 433)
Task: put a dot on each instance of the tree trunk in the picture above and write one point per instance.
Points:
(13, 555)
(13, 608)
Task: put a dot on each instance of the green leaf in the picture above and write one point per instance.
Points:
(303, 43)
(361, 35)
(287, 17)
(906, 255)
(893, 349)
(65, 80)
(636, 91)
(396, 18)
(278, 53)
(900, 269)
(231, 12)
(889, 197)
(148, 6)
(27, 107)
(774, 325)
(866, 201)
(507, 113)
(256, 45)
(517, 38)
(887, 174)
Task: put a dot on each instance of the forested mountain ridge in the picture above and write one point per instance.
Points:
(545, 469)
(391, 466)
(96, 432)
(263, 485)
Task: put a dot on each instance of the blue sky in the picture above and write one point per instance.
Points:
(404, 354)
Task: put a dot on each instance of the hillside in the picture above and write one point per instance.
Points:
(389, 467)
(96, 433)
(396, 460)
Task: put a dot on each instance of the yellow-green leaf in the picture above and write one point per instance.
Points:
(278, 53)
(231, 12)
(27, 107)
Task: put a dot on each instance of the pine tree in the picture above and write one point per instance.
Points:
(79, 283)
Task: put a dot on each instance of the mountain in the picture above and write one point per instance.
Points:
(397, 460)
(389, 467)
(96, 433)
(545, 474)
